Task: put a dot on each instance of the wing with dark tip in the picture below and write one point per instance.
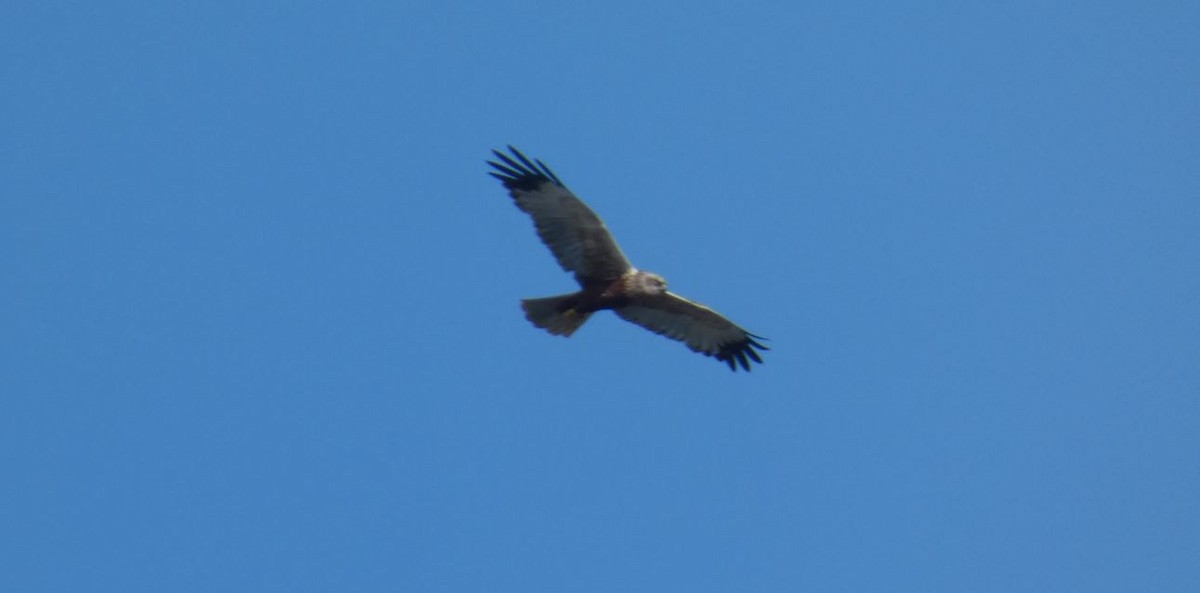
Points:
(575, 235)
(700, 328)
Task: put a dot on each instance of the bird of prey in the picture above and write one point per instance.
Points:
(582, 245)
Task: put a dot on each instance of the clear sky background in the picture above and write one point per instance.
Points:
(260, 323)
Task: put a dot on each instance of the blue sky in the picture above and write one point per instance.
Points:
(262, 334)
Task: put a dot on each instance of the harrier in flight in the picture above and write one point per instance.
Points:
(582, 245)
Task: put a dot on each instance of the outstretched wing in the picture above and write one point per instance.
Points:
(702, 329)
(575, 235)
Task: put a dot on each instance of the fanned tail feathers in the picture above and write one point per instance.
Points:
(554, 314)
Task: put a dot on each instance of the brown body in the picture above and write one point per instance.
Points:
(562, 315)
(597, 296)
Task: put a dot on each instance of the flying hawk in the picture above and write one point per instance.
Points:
(582, 245)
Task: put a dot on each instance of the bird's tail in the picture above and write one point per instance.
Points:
(555, 314)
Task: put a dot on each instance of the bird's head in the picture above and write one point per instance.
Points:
(653, 283)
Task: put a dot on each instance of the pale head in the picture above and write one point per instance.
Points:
(648, 283)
